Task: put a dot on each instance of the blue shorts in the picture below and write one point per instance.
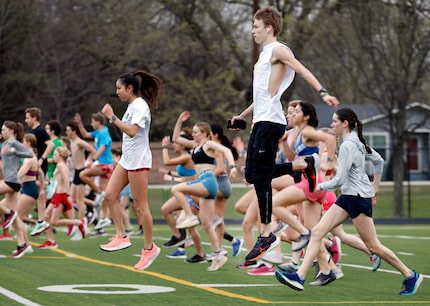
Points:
(126, 192)
(208, 179)
(354, 205)
(224, 185)
(30, 188)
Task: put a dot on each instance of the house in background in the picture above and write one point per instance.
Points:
(376, 133)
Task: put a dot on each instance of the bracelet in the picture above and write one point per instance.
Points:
(232, 167)
(330, 159)
(324, 94)
(164, 147)
(322, 90)
(169, 173)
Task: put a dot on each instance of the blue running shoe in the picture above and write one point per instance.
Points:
(178, 253)
(237, 246)
(292, 280)
(412, 284)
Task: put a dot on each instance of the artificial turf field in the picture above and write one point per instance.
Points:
(82, 274)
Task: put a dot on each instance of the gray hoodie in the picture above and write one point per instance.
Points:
(10, 159)
(351, 173)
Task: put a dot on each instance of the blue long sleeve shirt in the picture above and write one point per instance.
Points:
(351, 173)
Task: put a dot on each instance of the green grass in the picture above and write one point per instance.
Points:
(83, 263)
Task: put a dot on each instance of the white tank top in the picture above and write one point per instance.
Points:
(267, 108)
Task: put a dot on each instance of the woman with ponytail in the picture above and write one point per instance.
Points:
(355, 202)
(12, 151)
(141, 91)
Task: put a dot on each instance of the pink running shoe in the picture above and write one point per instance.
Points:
(263, 269)
(48, 244)
(19, 252)
(9, 219)
(148, 257)
(116, 244)
(6, 236)
(335, 249)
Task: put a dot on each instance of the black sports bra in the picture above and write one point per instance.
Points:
(200, 157)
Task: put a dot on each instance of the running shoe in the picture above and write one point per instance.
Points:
(292, 280)
(100, 232)
(338, 272)
(236, 244)
(6, 236)
(196, 259)
(39, 228)
(70, 229)
(148, 257)
(376, 261)
(117, 244)
(216, 221)
(178, 253)
(103, 222)
(274, 256)
(98, 201)
(317, 269)
(263, 245)
(77, 236)
(91, 217)
(411, 284)
(289, 267)
(175, 242)
(188, 222)
(212, 255)
(312, 170)
(249, 264)
(217, 262)
(302, 242)
(280, 228)
(324, 279)
(20, 251)
(263, 269)
(9, 218)
(335, 249)
(48, 244)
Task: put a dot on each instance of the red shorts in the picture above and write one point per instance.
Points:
(139, 170)
(314, 197)
(107, 170)
(330, 199)
(61, 198)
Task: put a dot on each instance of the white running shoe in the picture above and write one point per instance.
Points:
(103, 222)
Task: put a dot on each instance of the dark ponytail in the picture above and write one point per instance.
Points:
(347, 114)
(149, 86)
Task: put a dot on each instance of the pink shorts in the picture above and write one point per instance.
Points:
(330, 198)
(314, 197)
(61, 198)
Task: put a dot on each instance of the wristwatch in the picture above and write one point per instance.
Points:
(113, 118)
